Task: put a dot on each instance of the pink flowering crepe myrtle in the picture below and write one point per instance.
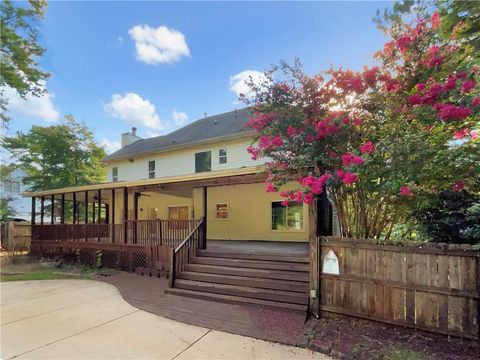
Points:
(439, 96)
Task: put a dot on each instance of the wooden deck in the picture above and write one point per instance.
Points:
(258, 247)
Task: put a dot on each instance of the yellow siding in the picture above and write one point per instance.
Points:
(250, 215)
(249, 211)
(159, 201)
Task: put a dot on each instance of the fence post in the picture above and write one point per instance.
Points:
(314, 242)
(478, 299)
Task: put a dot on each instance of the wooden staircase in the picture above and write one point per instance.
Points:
(278, 281)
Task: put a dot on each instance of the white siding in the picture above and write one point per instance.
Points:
(182, 162)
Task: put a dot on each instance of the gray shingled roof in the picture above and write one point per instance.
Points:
(216, 126)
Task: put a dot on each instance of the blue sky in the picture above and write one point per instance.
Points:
(157, 65)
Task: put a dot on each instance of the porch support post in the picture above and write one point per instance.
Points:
(205, 218)
(52, 209)
(74, 210)
(136, 195)
(107, 213)
(314, 296)
(113, 215)
(99, 196)
(93, 212)
(42, 209)
(33, 210)
(125, 215)
(86, 215)
(62, 209)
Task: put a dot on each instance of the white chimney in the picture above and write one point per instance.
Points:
(130, 137)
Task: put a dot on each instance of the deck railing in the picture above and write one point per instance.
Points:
(141, 232)
(187, 249)
(159, 232)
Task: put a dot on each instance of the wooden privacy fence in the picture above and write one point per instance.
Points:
(15, 235)
(429, 286)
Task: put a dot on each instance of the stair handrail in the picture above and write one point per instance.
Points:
(180, 256)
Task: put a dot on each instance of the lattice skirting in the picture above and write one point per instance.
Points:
(97, 255)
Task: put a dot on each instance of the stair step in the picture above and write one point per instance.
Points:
(276, 284)
(255, 264)
(249, 272)
(235, 299)
(244, 291)
(255, 256)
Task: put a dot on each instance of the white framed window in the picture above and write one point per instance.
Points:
(16, 186)
(115, 174)
(287, 218)
(222, 211)
(151, 169)
(222, 156)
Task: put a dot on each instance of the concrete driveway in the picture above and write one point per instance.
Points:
(83, 319)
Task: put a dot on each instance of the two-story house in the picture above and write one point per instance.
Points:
(211, 146)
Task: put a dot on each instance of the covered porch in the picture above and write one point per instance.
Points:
(146, 212)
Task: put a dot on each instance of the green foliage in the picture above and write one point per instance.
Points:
(20, 50)
(58, 156)
(462, 18)
(450, 216)
(98, 259)
(404, 354)
(6, 209)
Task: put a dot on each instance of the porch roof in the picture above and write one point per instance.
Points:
(250, 170)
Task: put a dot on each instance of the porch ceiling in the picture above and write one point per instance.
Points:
(215, 178)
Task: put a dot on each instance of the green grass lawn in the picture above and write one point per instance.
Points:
(46, 274)
(29, 268)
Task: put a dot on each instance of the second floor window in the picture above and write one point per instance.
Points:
(115, 174)
(222, 156)
(203, 161)
(151, 169)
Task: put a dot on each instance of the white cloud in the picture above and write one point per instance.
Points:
(238, 82)
(158, 45)
(110, 146)
(32, 107)
(179, 117)
(150, 133)
(134, 110)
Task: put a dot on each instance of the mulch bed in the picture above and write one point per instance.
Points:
(339, 337)
(362, 339)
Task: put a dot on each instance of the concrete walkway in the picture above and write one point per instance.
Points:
(81, 319)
